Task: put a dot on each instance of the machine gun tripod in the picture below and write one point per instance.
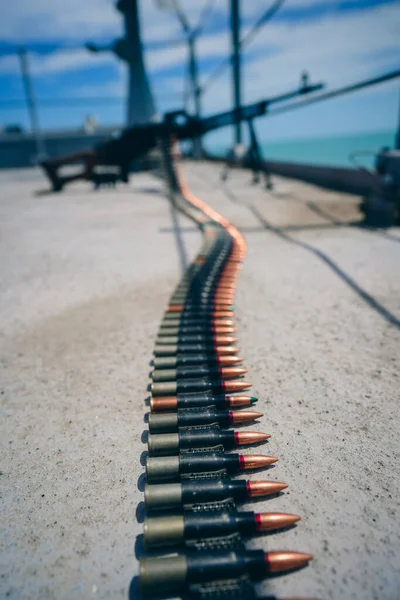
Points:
(249, 157)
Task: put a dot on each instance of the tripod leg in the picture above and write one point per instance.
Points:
(256, 171)
(224, 172)
(268, 181)
(124, 172)
(51, 167)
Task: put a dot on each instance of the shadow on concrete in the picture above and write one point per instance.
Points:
(134, 592)
(180, 244)
(140, 549)
(230, 195)
(141, 482)
(46, 192)
(370, 300)
(317, 226)
(141, 512)
(375, 227)
(362, 224)
(149, 190)
(81, 192)
(183, 230)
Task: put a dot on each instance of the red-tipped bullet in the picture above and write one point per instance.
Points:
(173, 403)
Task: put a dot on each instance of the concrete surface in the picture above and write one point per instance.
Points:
(85, 278)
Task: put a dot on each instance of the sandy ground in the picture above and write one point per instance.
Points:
(84, 280)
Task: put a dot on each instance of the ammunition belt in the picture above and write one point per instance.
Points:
(202, 296)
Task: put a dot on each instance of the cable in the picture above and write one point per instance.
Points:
(20, 103)
(263, 20)
(207, 10)
(267, 16)
(42, 48)
(47, 49)
(186, 88)
(352, 158)
(338, 92)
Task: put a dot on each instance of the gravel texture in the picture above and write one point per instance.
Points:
(85, 277)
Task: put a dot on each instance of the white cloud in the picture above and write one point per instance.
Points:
(111, 88)
(338, 50)
(81, 19)
(58, 62)
(49, 19)
(341, 47)
(214, 46)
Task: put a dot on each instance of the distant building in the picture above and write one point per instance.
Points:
(12, 128)
(18, 149)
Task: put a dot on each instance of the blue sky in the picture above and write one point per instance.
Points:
(337, 41)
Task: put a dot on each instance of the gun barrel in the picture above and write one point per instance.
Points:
(233, 116)
(186, 126)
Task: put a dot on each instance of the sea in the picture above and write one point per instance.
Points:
(345, 150)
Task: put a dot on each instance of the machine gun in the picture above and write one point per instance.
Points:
(135, 142)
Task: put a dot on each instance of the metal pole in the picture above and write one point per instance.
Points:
(397, 140)
(236, 63)
(193, 71)
(140, 104)
(31, 102)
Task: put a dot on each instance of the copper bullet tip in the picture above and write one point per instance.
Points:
(227, 340)
(232, 372)
(224, 295)
(250, 437)
(221, 350)
(257, 489)
(256, 461)
(175, 308)
(229, 360)
(286, 561)
(235, 386)
(242, 416)
(271, 521)
(238, 401)
(223, 330)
